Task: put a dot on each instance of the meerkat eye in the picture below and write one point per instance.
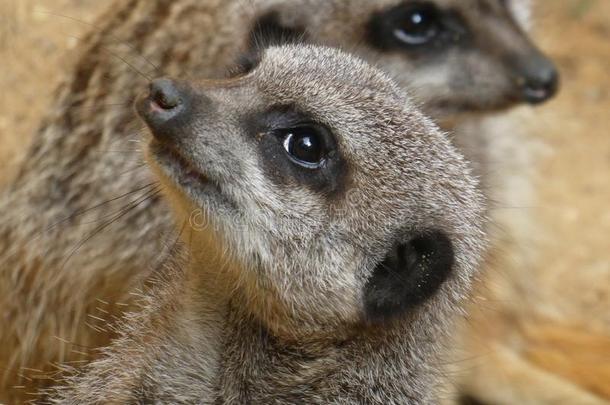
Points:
(305, 146)
(418, 25)
(411, 26)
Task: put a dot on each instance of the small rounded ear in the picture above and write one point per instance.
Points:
(245, 63)
(269, 31)
(408, 276)
(266, 31)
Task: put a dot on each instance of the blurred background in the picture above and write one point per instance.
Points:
(544, 334)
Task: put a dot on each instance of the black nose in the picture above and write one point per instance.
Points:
(165, 107)
(539, 80)
(166, 96)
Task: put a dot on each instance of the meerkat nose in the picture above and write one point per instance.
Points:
(165, 107)
(540, 80)
(165, 94)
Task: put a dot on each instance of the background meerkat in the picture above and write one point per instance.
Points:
(81, 196)
(335, 252)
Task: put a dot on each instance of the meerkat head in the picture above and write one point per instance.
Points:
(456, 56)
(334, 200)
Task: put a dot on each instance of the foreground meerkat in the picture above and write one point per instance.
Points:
(82, 225)
(335, 251)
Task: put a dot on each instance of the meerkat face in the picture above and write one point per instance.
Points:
(455, 56)
(339, 202)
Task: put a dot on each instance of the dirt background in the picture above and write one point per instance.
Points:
(565, 328)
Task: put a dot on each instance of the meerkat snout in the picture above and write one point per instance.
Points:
(538, 78)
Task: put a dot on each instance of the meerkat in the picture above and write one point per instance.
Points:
(334, 255)
(82, 225)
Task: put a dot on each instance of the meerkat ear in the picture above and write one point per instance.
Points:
(268, 31)
(408, 276)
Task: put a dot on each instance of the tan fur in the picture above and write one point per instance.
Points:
(270, 306)
(55, 253)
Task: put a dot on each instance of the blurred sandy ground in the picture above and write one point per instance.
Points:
(569, 330)
(561, 327)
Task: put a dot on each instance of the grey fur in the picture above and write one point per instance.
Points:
(59, 262)
(269, 308)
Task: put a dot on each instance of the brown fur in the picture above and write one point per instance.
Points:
(75, 178)
(271, 305)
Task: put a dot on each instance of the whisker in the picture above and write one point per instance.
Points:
(126, 104)
(103, 217)
(114, 38)
(121, 151)
(122, 59)
(138, 167)
(170, 249)
(100, 228)
(86, 210)
(117, 56)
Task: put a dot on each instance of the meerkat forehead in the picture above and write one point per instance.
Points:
(333, 86)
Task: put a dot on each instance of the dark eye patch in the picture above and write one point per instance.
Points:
(415, 27)
(268, 129)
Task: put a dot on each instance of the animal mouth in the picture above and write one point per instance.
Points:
(196, 186)
(177, 166)
(452, 107)
(186, 176)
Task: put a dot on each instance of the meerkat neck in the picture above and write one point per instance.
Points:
(239, 358)
(254, 366)
(242, 360)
